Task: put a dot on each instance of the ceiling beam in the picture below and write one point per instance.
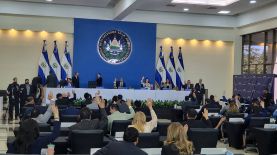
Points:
(124, 7)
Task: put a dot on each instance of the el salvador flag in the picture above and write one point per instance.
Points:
(43, 64)
(160, 75)
(180, 78)
(170, 67)
(55, 62)
(66, 63)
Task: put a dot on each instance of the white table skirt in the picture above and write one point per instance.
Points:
(134, 94)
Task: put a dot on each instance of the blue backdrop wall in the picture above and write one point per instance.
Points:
(88, 62)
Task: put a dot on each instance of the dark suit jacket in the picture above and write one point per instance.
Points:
(13, 90)
(51, 81)
(185, 86)
(65, 101)
(170, 149)
(99, 82)
(199, 123)
(86, 124)
(120, 148)
(198, 89)
(23, 92)
(42, 141)
(76, 82)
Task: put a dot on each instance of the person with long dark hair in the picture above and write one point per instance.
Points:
(28, 140)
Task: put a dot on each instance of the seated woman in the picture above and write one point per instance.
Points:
(28, 140)
(139, 120)
(177, 142)
(167, 85)
(145, 83)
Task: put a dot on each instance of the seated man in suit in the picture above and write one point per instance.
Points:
(128, 146)
(85, 115)
(65, 100)
(116, 115)
(123, 107)
(187, 86)
(193, 123)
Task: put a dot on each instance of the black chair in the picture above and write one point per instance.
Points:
(69, 118)
(162, 128)
(149, 140)
(81, 141)
(43, 127)
(203, 138)
(254, 122)
(235, 134)
(213, 110)
(234, 115)
(266, 140)
(119, 126)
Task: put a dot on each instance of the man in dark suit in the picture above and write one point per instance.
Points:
(87, 124)
(267, 97)
(200, 91)
(64, 100)
(25, 91)
(193, 123)
(51, 80)
(127, 147)
(13, 93)
(187, 86)
(75, 80)
(99, 80)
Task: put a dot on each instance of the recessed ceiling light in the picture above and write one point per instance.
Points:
(49, 0)
(186, 9)
(224, 12)
(253, 2)
(206, 2)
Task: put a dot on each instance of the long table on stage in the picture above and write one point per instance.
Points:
(134, 94)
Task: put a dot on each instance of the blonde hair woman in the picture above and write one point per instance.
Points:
(139, 120)
(176, 142)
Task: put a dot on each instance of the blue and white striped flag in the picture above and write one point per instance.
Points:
(180, 78)
(43, 64)
(160, 75)
(66, 63)
(170, 67)
(55, 62)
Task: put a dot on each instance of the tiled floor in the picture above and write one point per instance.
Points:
(7, 130)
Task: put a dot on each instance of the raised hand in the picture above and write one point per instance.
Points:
(149, 103)
(50, 95)
(129, 102)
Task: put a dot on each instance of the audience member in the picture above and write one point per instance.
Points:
(127, 147)
(28, 140)
(139, 120)
(66, 101)
(202, 123)
(177, 142)
(267, 97)
(231, 108)
(192, 96)
(123, 107)
(116, 115)
(85, 115)
(93, 105)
